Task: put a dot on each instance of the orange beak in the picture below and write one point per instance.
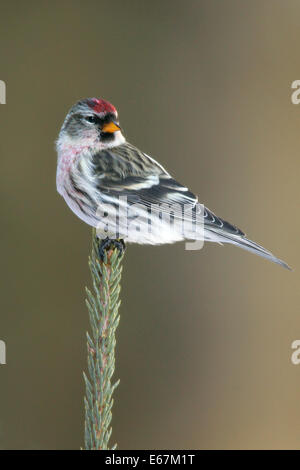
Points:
(111, 127)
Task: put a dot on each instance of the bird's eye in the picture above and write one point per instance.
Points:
(92, 119)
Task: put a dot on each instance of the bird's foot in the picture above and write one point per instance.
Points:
(108, 244)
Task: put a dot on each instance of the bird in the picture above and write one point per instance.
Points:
(126, 194)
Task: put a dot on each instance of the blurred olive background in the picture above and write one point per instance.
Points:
(204, 343)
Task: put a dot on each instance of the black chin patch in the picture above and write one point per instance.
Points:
(107, 136)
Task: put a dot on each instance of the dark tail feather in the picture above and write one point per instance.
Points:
(251, 246)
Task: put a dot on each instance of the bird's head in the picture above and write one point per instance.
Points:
(92, 122)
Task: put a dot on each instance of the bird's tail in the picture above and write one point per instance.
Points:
(243, 242)
(220, 231)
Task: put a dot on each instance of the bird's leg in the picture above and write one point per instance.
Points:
(108, 244)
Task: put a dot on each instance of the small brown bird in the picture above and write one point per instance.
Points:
(126, 194)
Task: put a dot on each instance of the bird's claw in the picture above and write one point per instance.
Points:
(109, 244)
